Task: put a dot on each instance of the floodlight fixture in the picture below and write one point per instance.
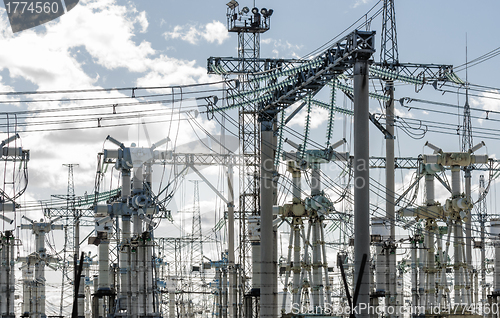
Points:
(245, 10)
(255, 10)
(270, 12)
(263, 11)
(232, 4)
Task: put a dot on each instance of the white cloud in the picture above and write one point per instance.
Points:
(318, 117)
(170, 71)
(488, 102)
(215, 31)
(282, 48)
(143, 21)
(357, 3)
(103, 29)
(212, 32)
(48, 57)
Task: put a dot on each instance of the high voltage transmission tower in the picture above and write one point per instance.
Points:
(71, 236)
(466, 144)
(196, 256)
(248, 25)
(389, 57)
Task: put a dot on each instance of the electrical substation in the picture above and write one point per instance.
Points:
(306, 229)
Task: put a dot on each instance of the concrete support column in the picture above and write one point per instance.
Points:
(268, 299)
(430, 288)
(125, 292)
(414, 274)
(361, 182)
(422, 256)
(316, 283)
(3, 278)
(287, 277)
(135, 267)
(458, 238)
(296, 266)
(327, 288)
(391, 291)
(468, 236)
(233, 288)
(224, 293)
(103, 282)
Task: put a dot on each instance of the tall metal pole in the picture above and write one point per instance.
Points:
(268, 300)
(391, 292)
(125, 295)
(430, 228)
(467, 143)
(414, 273)
(296, 190)
(458, 239)
(468, 234)
(361, 181)
(482, 220)
(390, 56)
(233, 304)
(317, 282)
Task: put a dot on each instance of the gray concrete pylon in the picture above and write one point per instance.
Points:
(361, 183)
(268, 300)
(391, 281)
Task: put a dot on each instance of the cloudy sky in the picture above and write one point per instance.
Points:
(152, 43)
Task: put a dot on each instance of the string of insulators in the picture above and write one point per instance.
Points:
(331, 115)
(306, 127)
(279, 146)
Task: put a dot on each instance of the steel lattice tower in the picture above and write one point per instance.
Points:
(389, 50)
(248, 27)
(197, 285)
(467, 125)
(466, 144)
(196, 256)
(389, 56)
(71, 233)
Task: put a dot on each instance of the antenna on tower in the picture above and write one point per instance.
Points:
(467, 141)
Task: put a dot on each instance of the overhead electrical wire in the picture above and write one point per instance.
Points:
(483, 58)
(350, 27)
(132, 89)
